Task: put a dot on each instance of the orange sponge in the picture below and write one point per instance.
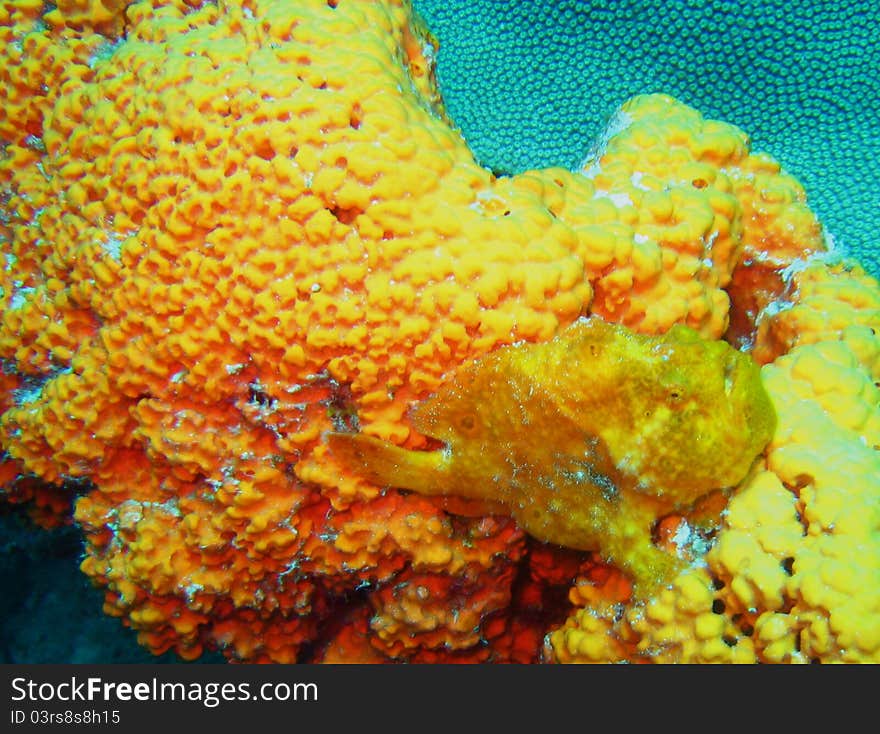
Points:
(229, 228)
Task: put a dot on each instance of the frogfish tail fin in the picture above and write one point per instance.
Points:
(384, 463)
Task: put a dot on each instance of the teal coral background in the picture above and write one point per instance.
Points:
(532, 83)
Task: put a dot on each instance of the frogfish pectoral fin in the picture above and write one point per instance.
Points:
(384, 463)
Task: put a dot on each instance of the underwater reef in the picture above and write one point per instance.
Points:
(249, 256)
(531, 83)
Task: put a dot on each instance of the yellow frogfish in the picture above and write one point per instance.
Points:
(587, 439)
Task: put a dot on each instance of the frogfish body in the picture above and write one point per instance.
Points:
(587, 439)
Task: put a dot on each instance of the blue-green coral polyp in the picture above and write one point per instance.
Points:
(587, 439)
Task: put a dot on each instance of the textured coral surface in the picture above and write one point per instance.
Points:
(531, 82)
(633, 428)
(231, 227)
(793, 574)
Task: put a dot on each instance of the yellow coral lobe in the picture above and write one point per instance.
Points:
(230, 227)
(586, 439)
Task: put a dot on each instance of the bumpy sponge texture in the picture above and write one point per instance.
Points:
(530, 83)
(231, 227)
(792, 576)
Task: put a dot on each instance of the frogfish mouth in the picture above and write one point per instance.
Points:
(587, 439)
